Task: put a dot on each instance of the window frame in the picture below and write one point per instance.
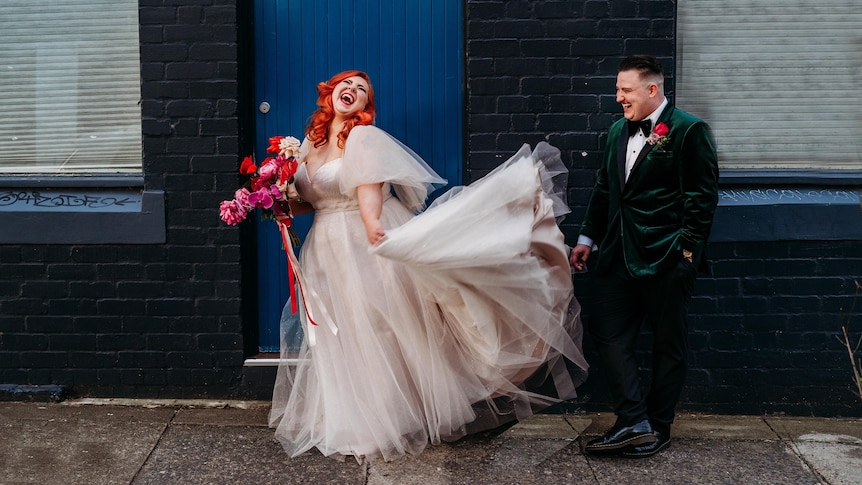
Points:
(751, 207)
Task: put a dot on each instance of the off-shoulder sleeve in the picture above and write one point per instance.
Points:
(373, 156)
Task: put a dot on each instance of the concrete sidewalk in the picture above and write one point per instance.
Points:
(207, 442)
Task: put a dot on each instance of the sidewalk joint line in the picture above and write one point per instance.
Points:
(790, 443)
(156, 445)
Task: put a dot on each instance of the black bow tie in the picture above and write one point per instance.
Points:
(634, 126)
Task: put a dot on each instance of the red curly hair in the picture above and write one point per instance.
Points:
(317, 130)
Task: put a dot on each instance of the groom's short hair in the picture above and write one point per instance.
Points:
(644, 64)
(647, 66)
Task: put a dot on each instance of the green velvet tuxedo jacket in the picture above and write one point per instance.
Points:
(666, 205)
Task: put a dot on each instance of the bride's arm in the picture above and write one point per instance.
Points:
(370, 206)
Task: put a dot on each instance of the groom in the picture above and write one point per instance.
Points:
(650, 214)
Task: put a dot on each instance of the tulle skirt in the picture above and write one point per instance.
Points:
(461, 320)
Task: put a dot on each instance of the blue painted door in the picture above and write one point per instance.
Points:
(411, 49)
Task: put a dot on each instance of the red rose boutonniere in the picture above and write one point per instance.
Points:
(659, 135)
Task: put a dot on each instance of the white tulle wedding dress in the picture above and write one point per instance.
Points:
(441, 329)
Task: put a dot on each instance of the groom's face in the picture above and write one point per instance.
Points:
(636, 95)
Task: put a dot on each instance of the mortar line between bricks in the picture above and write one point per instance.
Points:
(792, 445)
(156, 445)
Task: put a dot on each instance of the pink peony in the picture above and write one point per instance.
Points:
(241, 196)
(232, 212)
(268, 169)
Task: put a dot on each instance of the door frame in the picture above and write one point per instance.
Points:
(405, 121)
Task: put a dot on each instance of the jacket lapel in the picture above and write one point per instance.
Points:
(622, 148)
(643, 153)
(663, 117)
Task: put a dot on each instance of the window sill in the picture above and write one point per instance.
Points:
(799, 213)
(80, 210)
(796, 177)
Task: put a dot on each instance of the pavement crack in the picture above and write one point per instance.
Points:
(791, 444)
(165, 428)
(588, 461)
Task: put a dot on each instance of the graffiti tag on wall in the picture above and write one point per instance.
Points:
(71, 200)
(787, 196)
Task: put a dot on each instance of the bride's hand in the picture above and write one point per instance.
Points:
(374, 232)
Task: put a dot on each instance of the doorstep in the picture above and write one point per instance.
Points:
(259, 371)
(270, 359)
(258, 375)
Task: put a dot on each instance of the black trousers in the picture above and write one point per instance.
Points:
(621, 304)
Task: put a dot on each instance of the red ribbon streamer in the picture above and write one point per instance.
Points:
(292, 281)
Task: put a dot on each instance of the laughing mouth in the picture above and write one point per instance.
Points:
(347, 98)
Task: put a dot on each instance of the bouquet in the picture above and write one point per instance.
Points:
(270, 185)
(269, 188)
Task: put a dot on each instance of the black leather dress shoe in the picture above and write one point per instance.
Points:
(617, 438)
(643, 451)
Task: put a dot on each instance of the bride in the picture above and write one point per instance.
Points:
(426, 327)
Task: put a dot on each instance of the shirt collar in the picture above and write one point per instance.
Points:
(655, 114)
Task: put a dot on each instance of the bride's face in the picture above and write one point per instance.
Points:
(349, 97)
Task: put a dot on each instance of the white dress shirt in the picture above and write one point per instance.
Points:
(638, 141)
(633, 148)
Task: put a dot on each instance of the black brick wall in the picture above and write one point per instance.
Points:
(148, 320)
(763, 326)
(764, 334)
(167, 320)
